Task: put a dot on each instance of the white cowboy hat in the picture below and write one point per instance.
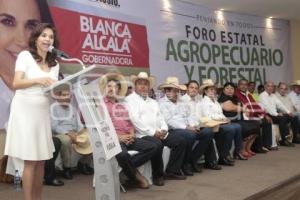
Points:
(83, 145)
(113, 76)
(207, 83)
(143, 75)
(172, 82)
(296, 82)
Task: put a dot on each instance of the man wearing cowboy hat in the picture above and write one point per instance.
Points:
(150, 125)
(66, 125)
(113, 87)
(180, 121)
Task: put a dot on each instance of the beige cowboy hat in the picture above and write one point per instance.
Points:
(143, 75)
(83, 145)
(207, 83)
(214, 124)
(113, 76)
(296, 82)
(172, 82)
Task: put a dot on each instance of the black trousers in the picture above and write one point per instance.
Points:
(177, 144)
(50, 174)
(225, 136)
(265, 136)
(129, 163)
(283, 122)
(203, 147)
(266, 133)
(295, 127)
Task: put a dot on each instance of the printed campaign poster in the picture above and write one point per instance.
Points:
(167, 38)
(223, 46)
(17, 20)
(99, 37)
(94, 34)
(187, 40)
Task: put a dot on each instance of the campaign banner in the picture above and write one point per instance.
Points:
(167, 38)
(224, 46)
(194, 42)
(96, 39)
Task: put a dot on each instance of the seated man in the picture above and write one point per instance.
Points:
(251, 89)
(263, 142)
(180, 121)
(281, 94)
(65, 126)
(272, 105)
(150, 125)
(295, 96)
(113, 87)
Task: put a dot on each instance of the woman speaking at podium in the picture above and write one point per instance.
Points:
(29, 135)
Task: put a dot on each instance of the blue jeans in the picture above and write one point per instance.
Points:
(227, 133)
(204, 137)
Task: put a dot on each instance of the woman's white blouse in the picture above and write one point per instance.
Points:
(210, 109)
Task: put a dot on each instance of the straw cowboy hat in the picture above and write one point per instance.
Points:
(113, 76)
(214, 124)
(144, 76)
(172, 82)
(83, 145)
(207, 83)
(296, 82)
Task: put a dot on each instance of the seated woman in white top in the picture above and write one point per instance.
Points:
(211, 109)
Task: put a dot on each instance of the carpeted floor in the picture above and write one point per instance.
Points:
(231, 183)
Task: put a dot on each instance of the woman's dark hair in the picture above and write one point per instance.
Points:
(234, 99)
(50, 58)
(229, 84)
(44, 11)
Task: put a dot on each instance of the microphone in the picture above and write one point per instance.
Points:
(59, 53)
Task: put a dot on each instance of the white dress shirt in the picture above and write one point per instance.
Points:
(192, 103)
(295, 99)
(286, 101)
(65, 119)
(272, 104)
(210, 109)
(177, 115)
(145, 115)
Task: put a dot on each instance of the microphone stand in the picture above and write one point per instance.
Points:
(73, 59)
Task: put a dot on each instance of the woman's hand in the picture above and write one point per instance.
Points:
(20, 82)
(44, 81)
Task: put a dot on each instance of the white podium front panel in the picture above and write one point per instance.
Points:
(104, 141)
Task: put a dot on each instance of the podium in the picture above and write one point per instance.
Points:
(103, 137)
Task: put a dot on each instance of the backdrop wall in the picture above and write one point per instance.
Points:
(295, 47)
